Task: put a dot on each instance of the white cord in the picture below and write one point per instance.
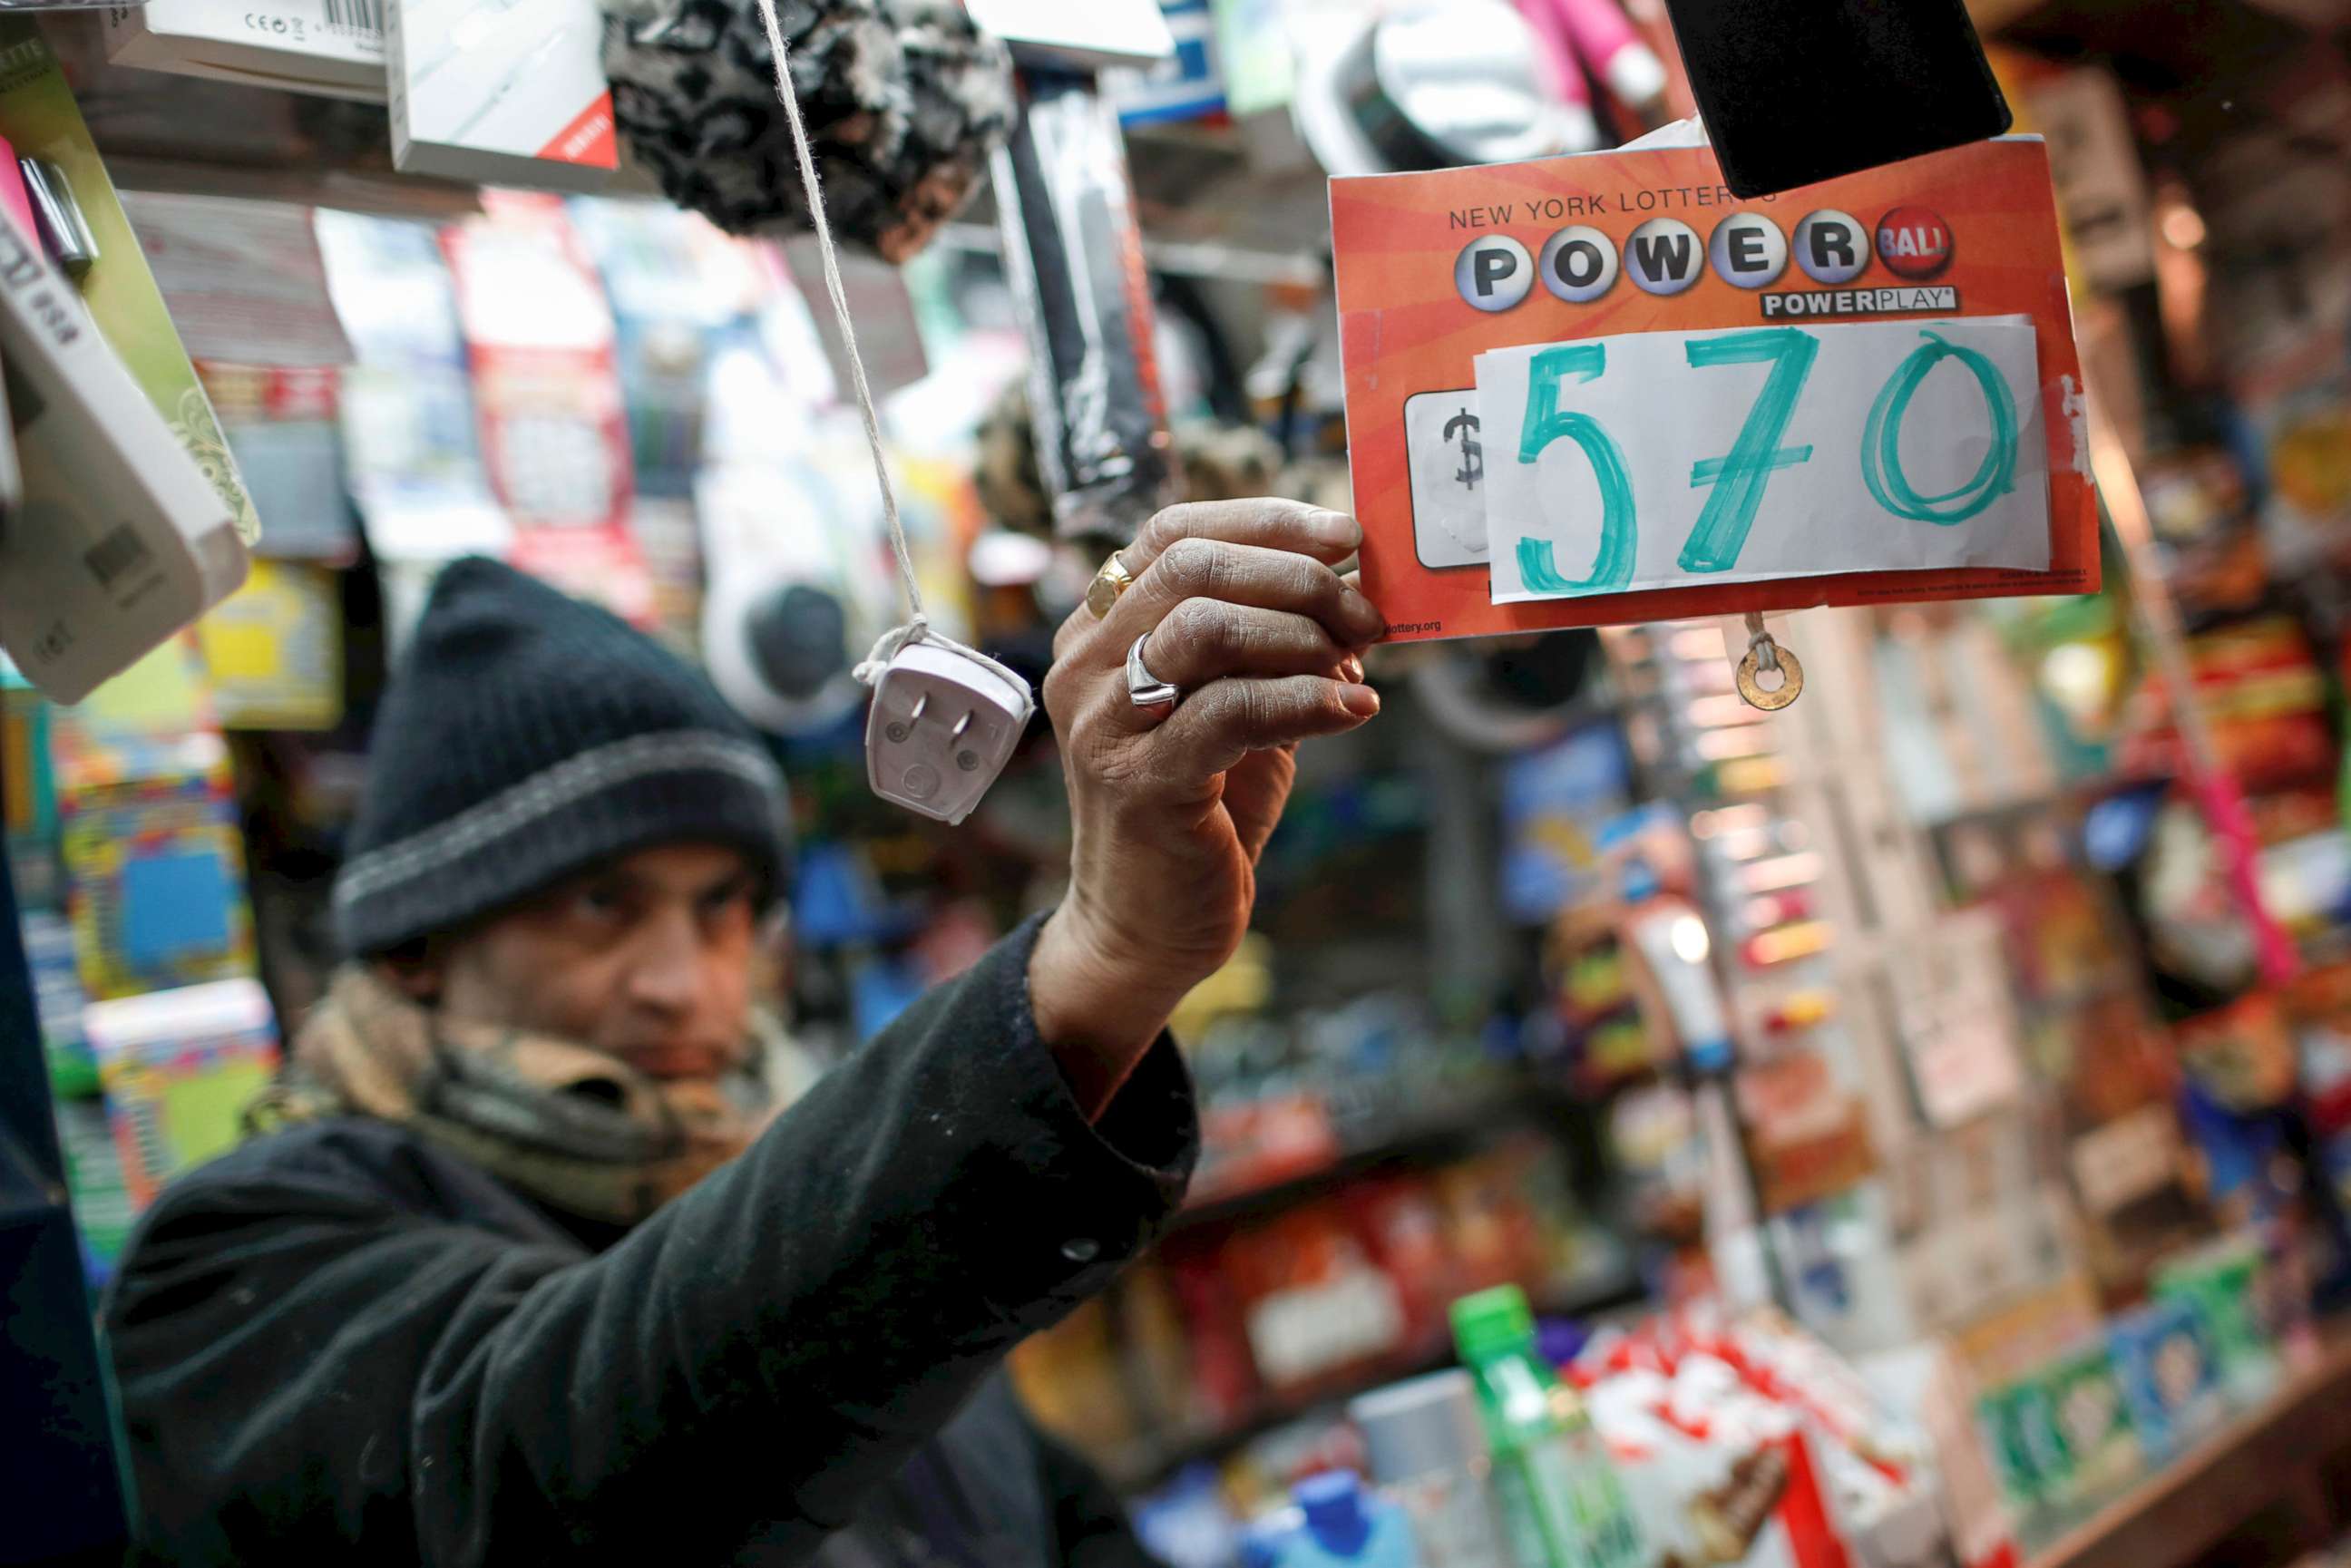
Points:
(841, 314)
(918, 628)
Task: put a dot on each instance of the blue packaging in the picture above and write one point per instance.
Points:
(2169, 1370)
(1346, 1526)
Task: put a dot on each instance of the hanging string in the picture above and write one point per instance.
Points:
(832, 258)
(919, 628)
(1760, 641)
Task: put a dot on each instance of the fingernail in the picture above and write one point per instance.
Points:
(1359, 700)
(1351, 669)
(1336, 528)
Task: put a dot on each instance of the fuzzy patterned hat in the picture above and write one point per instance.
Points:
(903, 99)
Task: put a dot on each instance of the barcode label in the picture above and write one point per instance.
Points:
(117, 555)
(367, 15)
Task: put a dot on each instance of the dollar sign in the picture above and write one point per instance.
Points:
(1473, 455)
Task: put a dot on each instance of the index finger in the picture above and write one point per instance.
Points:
(1268, 522)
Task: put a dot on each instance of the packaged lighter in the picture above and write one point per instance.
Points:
(1075, 256)
(121, 539)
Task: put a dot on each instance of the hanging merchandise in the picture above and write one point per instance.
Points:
(146, 524)
(1428, 85)
(555, 437)
(410, 442)
(244, 280)
(1075, 256)
(1512, 473)
(1188, 84)
(1050, 33)
(332, 48)
(500, 91)
(283, 425)
(945, 718)
(799, 589)
(1596, 34)
(902, 103)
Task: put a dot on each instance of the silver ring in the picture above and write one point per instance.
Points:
(1144, 689)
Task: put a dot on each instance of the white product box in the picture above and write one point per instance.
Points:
(330, 47)
(121, 541)
(503, 92)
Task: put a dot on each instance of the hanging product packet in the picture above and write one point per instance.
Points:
(1600, 389)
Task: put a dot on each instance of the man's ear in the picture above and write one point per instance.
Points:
(416, 967)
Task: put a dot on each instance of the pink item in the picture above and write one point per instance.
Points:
(1566, 72)
(12, 194)
(1600, 32)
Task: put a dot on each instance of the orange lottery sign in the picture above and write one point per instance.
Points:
(1600, 389)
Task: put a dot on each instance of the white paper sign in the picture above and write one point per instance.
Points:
(1671, 459)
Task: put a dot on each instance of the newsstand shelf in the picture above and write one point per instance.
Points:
(2276, 1454)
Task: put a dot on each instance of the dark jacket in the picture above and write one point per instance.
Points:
(339, 1344)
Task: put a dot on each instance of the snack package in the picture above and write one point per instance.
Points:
(2169, 1371)
(2222, 1281)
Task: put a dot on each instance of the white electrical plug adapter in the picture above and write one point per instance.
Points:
(944, 723)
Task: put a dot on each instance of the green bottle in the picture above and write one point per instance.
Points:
(1561, 1503)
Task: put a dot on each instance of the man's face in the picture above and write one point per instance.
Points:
(648, 958)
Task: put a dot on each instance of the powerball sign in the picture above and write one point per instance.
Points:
(1600, 389)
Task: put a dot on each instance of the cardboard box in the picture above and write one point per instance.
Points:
(330, 47)
(510, 94)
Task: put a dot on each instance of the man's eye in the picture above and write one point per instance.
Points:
(725, 901)
(601, 902)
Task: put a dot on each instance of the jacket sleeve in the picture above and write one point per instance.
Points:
(1090, 1525)
(302, 1365)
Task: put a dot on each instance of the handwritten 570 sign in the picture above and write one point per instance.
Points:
(1602, 388)
(1659, 459)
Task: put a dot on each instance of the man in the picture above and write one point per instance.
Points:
(525, 1273)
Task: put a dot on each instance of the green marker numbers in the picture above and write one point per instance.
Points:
(1881, 440)
(1736, 482)
(1611, 565)
(1739, 477)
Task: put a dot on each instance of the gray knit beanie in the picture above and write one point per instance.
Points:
(527, 736)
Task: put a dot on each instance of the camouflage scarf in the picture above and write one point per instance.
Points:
(572, 1126)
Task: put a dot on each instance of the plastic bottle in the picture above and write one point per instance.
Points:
(1347, 1527)
(1427, 1443)
(1563, 1505)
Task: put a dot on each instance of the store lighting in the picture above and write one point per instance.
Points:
(1691, 944)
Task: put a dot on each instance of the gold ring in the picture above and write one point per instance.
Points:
(1112, 580)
